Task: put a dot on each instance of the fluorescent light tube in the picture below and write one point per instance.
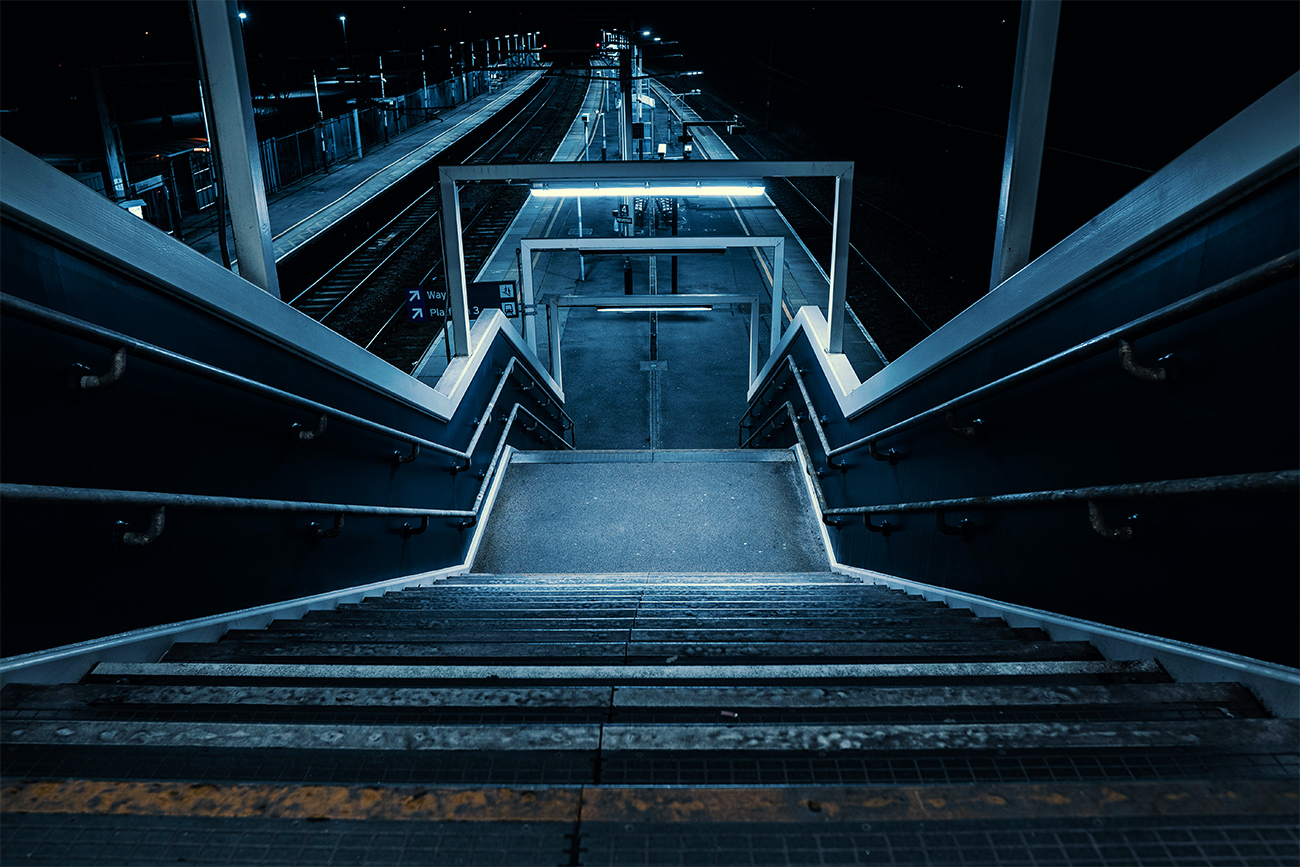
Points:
(683, 190)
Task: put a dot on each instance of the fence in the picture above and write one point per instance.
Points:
(295, 156)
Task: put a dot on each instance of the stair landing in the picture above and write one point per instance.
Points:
(702, 511)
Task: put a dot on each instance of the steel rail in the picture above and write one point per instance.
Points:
(106, 337)
(807, 402)
(1279, 482)
(54, 495)
(387, 225)
(294, 301)
(1221, 293)
(397, 248)
(396, 315)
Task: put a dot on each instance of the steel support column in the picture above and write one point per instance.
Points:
(1023, 158)
(222, 63)
(454, 264)
(115, 176)
(839, 260)
(778, 292)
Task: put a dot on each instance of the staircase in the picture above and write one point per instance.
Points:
(651, 663)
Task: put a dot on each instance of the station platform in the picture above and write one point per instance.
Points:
(622, 391)
(636, 380)
(302, 210)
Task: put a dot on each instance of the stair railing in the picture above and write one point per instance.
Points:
(1121, 338)
(1285, 481)
(816, 419)
(123, 346)
(80, 378)
(794, 418)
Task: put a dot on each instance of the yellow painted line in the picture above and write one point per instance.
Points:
(937, 803)
(555, 215)
(229, 801)
(596, 804)
(758, 254)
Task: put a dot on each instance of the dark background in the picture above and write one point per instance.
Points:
(917, 93)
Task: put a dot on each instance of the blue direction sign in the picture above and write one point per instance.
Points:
(487, 295)
(426, 305)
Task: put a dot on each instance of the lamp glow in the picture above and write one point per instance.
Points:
(680, 190)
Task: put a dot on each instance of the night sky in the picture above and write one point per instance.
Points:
(916, 92)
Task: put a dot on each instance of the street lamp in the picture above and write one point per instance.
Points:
(243, 16)
(343, 19)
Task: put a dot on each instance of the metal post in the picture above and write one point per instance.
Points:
(582, 264)
(222, 64)
(553, 320)
(454, 267)
(1026, 130)
(674, 265)
(528, 313)
(115, 177)
(778, 291)
(839, 261)
(625, 117)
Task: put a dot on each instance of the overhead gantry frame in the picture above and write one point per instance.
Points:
(651, 174)
(652, 246)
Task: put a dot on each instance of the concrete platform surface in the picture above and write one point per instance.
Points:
(663, 511)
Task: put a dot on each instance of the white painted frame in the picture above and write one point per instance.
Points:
(649, 172)
(647, 246)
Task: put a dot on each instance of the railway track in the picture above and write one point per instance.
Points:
(363, 296)
(336, 287)
(492, 208)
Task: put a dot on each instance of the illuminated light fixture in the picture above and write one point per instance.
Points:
(651, 309)
(545, 191)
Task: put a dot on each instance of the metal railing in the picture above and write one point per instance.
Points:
(161, 501)
(816, 420)
(82, 379)
(124, 345)
(1120, 338)
(1281, 481)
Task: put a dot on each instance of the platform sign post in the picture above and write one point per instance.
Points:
(424, 304)
(499, 294)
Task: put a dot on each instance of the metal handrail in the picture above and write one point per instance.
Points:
(500, 449)
(80, 328)
(160, 501)
(807, 402)
(1207, 299)
(789, 410)
(1282, 481)
(53, 495)
(487, 413)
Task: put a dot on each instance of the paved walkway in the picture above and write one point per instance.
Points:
(665, 380)
(303, 209)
